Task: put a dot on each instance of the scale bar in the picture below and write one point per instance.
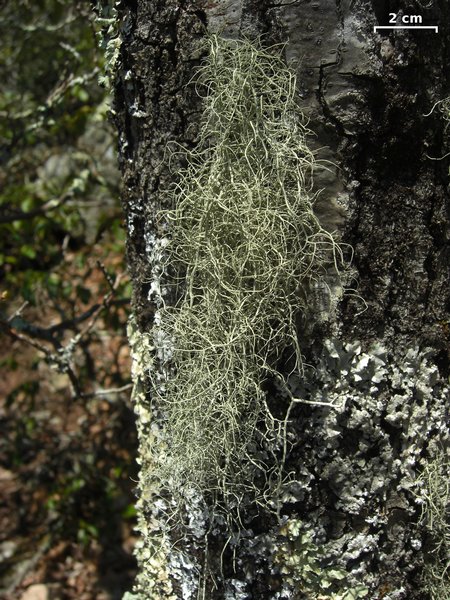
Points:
(435, 27)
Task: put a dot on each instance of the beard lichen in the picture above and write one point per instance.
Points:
(245, 250)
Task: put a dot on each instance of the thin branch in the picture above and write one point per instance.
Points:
(10, 215)
(19, 329)
(109, 391)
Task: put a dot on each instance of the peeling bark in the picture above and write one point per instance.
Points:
(353, 509)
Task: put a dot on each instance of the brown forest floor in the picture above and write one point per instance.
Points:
(67, 469)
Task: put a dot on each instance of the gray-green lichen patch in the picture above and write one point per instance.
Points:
(161, 565)
(364, 456)
(301, 563)
(153, 578)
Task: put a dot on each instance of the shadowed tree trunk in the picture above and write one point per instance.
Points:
(350, 524)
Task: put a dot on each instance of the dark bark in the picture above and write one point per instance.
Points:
(387, 368)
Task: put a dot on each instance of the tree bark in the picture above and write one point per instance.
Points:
(382, 357)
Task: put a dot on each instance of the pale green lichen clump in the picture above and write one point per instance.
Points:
(245, 248)
(299, 559)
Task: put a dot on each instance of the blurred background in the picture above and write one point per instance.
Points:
(67, 435)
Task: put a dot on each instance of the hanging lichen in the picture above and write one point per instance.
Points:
(245, 250)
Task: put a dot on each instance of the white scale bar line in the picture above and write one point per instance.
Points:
(435, 27)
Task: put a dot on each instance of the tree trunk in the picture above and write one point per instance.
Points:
(350, 525)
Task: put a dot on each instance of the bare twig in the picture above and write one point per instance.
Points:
(10, 215)
(62, 356)
(108, 391)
